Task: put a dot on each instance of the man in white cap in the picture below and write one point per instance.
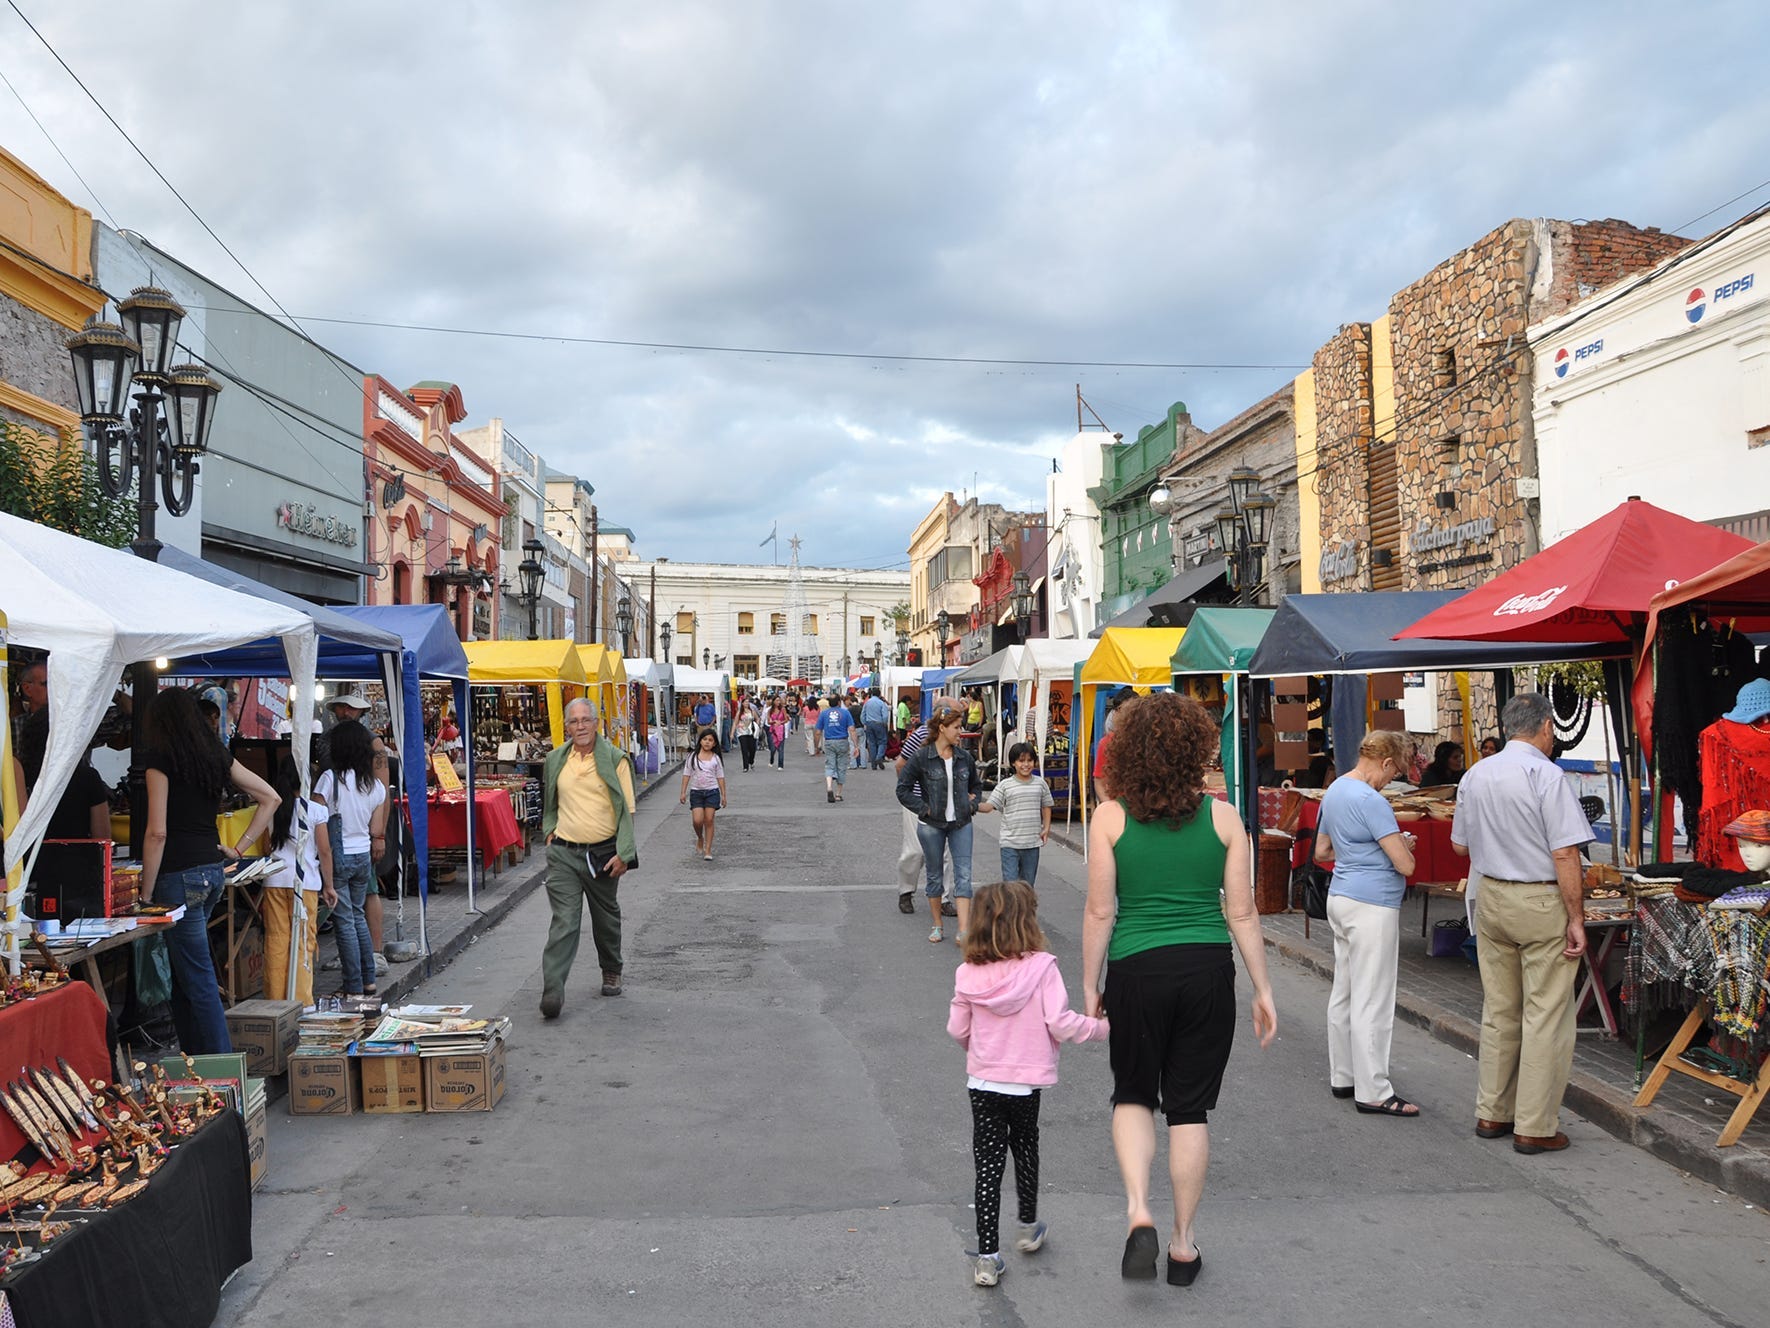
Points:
(348, 705)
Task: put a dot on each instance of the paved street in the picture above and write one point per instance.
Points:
(771, 1128)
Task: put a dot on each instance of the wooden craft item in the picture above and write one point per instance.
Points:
(50, 962)
(73, 1082)
(124, 1193)
(45, 1085)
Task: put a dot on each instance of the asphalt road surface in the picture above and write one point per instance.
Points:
(771, 1128)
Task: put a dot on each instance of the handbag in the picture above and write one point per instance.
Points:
(1315, 890)
(1448, 937)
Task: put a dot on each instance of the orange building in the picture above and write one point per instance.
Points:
(438, 509)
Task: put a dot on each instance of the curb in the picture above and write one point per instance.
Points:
(1670, 1138)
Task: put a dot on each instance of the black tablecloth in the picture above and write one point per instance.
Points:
(157, 1261)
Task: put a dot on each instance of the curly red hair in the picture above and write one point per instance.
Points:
(1157, 758)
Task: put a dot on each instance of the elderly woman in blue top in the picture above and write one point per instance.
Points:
(1372, 859)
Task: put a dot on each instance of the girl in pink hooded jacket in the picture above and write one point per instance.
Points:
(1010, 1011)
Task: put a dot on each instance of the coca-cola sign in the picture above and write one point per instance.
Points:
(1519, 605)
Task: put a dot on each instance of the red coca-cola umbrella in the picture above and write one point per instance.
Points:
(1593, 585)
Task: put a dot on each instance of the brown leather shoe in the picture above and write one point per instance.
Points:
(1492, 1129)
(1524, 1143)
(611, 985)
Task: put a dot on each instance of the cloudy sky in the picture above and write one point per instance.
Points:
(1194, 184)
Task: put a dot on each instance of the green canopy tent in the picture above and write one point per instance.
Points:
(1223, 641)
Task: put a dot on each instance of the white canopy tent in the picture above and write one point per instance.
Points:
(97, 610)
(1044, 661)
(995, 672)
(897, 677)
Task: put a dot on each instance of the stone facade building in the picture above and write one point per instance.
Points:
(1420, 422)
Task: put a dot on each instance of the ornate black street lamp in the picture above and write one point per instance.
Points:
(532, 573)
(903, 647)
(157, 444)
(1244, 528)
(943, 624)
(664, 636)
(624, 620)
(1023, 603)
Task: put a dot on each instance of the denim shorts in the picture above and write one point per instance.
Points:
(703, 798)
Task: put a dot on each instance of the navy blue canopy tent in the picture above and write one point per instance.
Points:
(393, 645)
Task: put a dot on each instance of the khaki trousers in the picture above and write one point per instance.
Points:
(570, 885)
(1527, 1015)
(279, 916)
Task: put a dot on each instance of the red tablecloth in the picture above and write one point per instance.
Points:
(494, 823)
(69, 1022)
(1435, 861)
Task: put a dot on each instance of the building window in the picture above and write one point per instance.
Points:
(685, 659)
(1444, 368)
(866, 625)
(685, 623)
(777, 624)
(952, 563)
(746, 624)
(747, 666)
(811, 624)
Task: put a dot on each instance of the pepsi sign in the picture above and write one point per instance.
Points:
(1564, 361)
(1696, 304)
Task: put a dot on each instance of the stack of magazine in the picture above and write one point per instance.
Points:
(432, 1030)
(328, 1032)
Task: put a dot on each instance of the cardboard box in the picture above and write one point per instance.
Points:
(257, 1134)
(391, 1084)
(266, 1031)
(465, 1083)
(323, 1085)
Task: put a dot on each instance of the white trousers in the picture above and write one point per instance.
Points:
(911, 877)
(1361, 1009)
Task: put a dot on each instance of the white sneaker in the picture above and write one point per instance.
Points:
(1031, 1237)
(934, 935)
(987, 1269)
(380, 964)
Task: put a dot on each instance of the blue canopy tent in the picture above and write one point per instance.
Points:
(349, 647)
(932, 681)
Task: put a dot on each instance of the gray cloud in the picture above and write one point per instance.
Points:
(1141, 182)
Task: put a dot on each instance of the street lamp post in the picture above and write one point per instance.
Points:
(1023, 603)
(531, 572)
(943, 624)
(624, 621)
(707, 658)
(1244, 528)
(903, 647)
(158, 449)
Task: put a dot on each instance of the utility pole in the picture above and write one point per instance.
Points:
(651, 616)
(595, 583)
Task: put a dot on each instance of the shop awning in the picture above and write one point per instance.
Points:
(934, 679)
(524, 661)
(1355, 633)
(1133, 657)
(1046, 657)
(643, 671)
(1172, 604)
(688, 679)
(601, 664)
(1221, 640)
(1594, 585)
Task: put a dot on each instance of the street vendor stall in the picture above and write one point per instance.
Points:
(902, 680)
(517, 670)
(993, 676)
(644, 705)
(935, 682)
(1219, 645)
(1135, 657)
(1044, 685)
(606, 676)
(95, 610)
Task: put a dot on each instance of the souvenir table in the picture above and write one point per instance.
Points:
(1435, 861)
(494, 823)
(67, 1021)
(157, 1261)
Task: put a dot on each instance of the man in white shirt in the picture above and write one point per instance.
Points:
(1520, 824)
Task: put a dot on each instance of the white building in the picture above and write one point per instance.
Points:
(724, 614)
(1659, 387)
(1073, 551)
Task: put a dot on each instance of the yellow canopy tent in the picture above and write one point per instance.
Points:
(1139, 657)
(607, 674)
(552, 664)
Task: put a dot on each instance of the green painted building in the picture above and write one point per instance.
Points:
(1135, 540)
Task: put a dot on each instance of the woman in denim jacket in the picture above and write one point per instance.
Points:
(940, 785)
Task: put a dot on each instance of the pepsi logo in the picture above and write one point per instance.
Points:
(1696, 305)
(1561, 363)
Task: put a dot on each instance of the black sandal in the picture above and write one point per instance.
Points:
(1395, 1106)
(1185, 1274)
(1140, 1249)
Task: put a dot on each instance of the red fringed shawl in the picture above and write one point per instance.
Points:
(1735, 779)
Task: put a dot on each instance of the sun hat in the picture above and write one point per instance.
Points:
(1754, 826)
(1752, 703)
(352, 699)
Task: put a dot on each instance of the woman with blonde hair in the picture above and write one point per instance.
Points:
(1169, 887)
(940, 785)
(1372, 859)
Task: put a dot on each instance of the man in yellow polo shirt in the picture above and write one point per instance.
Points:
(587, 818)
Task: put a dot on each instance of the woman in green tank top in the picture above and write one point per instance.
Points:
(1169, 889)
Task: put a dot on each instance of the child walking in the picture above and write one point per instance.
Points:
(703, 789)
(1024, 799)
(1009, 1012)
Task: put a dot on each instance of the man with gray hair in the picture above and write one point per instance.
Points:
(1521, 827)
(587, 818)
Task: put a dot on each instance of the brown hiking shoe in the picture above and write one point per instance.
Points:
(611, 984)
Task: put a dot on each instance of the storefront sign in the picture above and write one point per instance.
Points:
(304, 519)
(394, 490)
(1339, 562)
(1425, 539)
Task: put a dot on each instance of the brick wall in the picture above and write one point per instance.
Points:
(1590, 255)
(1345, 421)
(34, 358)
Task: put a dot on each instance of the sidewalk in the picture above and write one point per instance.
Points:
(1443, 996)
(450, 927)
